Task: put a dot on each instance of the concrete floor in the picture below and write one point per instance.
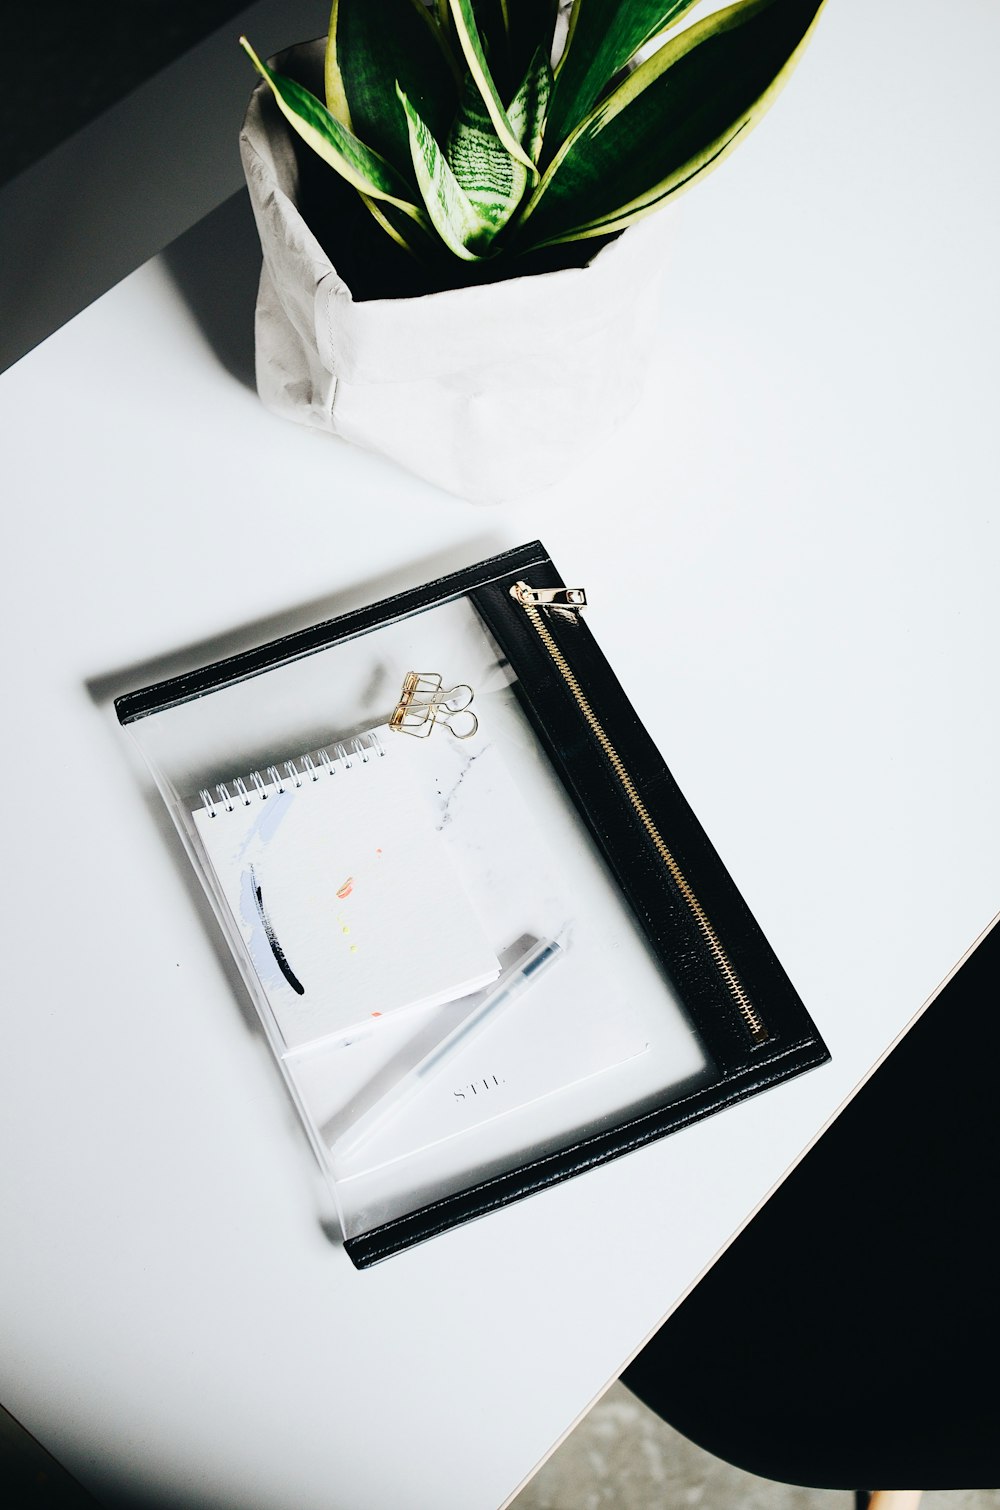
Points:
(623, 1457)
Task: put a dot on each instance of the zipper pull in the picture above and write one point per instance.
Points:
(548, 597)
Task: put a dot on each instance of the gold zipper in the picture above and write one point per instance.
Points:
(532, 600)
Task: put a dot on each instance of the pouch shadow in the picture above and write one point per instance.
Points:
(106, 686)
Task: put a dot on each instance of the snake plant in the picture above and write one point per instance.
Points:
(484, 129)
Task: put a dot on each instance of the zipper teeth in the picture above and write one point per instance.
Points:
(722, 961)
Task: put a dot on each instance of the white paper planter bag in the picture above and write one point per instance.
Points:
(490, 391)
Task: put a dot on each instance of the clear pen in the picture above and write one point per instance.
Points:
(510, 983)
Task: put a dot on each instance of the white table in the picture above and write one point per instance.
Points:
(791, 555)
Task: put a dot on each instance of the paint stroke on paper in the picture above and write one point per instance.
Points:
(272, 938)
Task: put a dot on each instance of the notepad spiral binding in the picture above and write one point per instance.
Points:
(257, 786)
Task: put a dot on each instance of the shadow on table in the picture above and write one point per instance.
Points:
(106, 686)
(216, 266)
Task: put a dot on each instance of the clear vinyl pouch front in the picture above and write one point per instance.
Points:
(420, 840)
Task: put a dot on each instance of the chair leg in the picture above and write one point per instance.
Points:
(895, 1499)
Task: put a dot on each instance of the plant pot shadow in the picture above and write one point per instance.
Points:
(216, 267)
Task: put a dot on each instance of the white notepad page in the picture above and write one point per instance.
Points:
(344, 894)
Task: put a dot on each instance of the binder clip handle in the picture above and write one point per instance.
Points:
(425, 701)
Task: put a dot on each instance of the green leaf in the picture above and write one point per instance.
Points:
(368, 172)
(452, 213)
(512, 31)
(472, 46)
(483, 168)
(370, 47)
(530, 27)
(672, 120)
(528, 109)
(603, 36)
(407, 233)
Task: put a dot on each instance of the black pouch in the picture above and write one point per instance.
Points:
(404, 817)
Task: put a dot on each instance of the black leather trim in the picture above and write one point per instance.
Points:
(292, 647)
(381, 1242)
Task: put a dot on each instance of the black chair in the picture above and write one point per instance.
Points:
(849, 1336)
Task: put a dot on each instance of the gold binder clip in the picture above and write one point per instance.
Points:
(424, 701)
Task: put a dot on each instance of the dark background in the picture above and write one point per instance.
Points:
(66, 63)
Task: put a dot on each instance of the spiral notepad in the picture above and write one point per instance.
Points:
(342, 890)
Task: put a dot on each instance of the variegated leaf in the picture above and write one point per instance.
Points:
(672, 120)
(455, 218)
(493, 181)
(463, 15)
(413, 236)
(364, 169)
(512, 31)
(369, 47)
(603, 36)
(529, 107)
